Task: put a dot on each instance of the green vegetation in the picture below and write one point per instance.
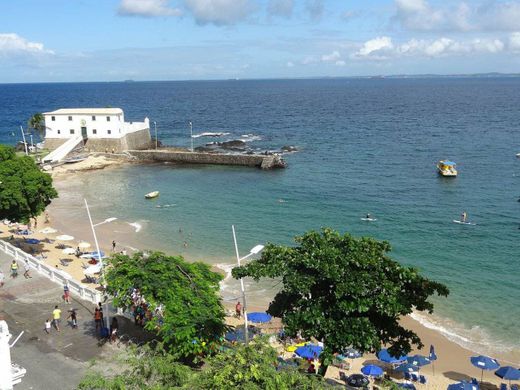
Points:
(192, 319)
(37, 122)
(25, 190)
(344, 292)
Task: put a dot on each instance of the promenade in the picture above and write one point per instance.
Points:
(53, 361)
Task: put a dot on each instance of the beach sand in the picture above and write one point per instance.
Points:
(453, 362)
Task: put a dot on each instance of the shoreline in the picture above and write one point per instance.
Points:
(453, 363)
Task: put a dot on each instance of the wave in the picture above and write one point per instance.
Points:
(250, 137)
(209, 134)
(137, 226)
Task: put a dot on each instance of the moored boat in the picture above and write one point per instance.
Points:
(153, 194)
(447, 168)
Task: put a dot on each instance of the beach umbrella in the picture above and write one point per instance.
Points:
(309, 351)
(259, 317)
(385, 356)
(484, 363)
(48, 230)
(418, 360)
(357, 380)
(352, 353)
(462, 386)
(68, 251)
(407, 367)
(432, 356)
(83, 245)
(237, 335)
(508, 373)
(372, 370)
(32, 241)
(65, 237)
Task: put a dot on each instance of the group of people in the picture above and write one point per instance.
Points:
(14, 271)
(56, 319)
(141, 310)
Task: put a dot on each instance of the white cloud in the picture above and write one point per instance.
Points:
(383, 48)
(309, 60)
(340, 63)
(290, 64)
(490, 15)
(514, 41)
(332, 57)
(280, 7)
(14, 44)
(219, 12)
(147, 8)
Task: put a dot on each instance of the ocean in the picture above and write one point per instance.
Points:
(364, 146)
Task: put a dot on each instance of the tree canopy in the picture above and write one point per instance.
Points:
(344, 291)
(192, 319)
(37, 122)
(25, 190)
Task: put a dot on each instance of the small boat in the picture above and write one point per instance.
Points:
(447, 168)
(464, 222)
(151, 195)
(369, 219)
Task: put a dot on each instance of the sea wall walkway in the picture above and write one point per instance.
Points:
(185, 157)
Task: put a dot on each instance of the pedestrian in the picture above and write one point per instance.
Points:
(56, 315)
(97, 319)
(26, 270)
(113, 245)
(66, 294)
(238, 309)
(35, 223)
(14, 269)
(48, 326)
(101, 315)
(2, 278)
(47, 220)
(73, 318)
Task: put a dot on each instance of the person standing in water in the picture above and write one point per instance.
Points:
(463, 216)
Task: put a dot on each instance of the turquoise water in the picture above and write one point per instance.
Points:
(366, 146)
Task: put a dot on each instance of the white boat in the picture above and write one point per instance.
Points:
(447, 168)
(151, 195)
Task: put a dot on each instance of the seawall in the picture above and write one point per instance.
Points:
(186, 157)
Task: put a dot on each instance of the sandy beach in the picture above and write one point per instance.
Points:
(453, 362)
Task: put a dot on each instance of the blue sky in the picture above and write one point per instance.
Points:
(112, 40)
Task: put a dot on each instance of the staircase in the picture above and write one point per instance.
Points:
(61, 152)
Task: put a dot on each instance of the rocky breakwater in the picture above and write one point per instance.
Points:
(263, 161)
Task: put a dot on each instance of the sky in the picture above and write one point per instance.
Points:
(115, 40)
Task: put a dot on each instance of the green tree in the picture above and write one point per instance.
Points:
(37, 122)
(344, 291)
(192, 322)
(25, 190)
(252, 367)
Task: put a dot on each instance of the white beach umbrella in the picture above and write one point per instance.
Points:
(68, 251)
(65, 237)
(48, 230)
(83, 245)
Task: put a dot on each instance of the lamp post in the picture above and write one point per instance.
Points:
(155, 126)
(255, 250)
(191, 134)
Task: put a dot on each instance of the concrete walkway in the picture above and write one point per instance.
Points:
(53, 361)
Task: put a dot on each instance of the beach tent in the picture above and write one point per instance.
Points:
(462, 386)
(309, 351)
(385, 356)
(259, 317)
(484, 363)
(372, 370)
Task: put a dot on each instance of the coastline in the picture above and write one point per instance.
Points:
(453, 363)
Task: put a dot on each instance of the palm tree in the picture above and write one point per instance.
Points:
(37, 122)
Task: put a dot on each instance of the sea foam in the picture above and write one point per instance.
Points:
(137, 226)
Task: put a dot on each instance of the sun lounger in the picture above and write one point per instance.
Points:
(407, 376)
(503, 386)
(415, 377)
(514, 387)
(422, 379)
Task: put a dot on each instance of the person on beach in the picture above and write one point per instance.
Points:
(73, 318)
(47, 220)
(463, 216)
(113, 245)
(14, 269)
(66, 294)
(27, 269)
(56, 316)
(97, 319)
(2, 278)
(48, 326)
(238, 310)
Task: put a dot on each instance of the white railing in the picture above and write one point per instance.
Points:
(56, 275)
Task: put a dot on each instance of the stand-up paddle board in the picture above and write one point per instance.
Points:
(464, 223)
(369, 219)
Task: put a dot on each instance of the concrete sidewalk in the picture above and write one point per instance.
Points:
(53, 361)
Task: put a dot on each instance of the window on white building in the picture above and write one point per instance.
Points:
(94, 131)
(71, 131)
(93, 117)
(70, 118)
(53, 118)
(108, 119)
(109, 131)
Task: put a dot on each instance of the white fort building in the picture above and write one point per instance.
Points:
(98, 129)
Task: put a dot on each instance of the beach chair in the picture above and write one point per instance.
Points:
(64, 263)
(514, 387)
(422, 379)
(503, 386)
(474, 382)
(415, 377)
(407, 376)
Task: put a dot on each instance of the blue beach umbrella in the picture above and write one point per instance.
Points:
(372, 370)
(259, 317)
(309, 351)
(32, 241)
(432, 356)
(484, 363)
(462, 386)
(407, 367)
(237, 335)
(385, 356)
(418, 360)
(508, 373)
